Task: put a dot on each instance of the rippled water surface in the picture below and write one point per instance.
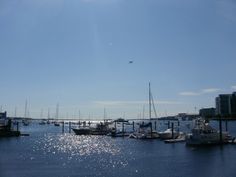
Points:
(47, 152)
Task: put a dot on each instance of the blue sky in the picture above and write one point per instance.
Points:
(77, 52)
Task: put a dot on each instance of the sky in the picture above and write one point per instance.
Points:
(76, 53)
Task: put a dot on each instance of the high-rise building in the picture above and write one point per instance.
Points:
(223, 105)
(226, 105)
(233, 105)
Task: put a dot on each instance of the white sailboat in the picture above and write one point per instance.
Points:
(145, 130)
(57, 123)
(25, 121)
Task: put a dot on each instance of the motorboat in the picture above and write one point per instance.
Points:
(57, 124)
(25, 122)
(144, 135)
(100, 129)
(82, 131)
(43, 122)
(145, 132)
(168, 134)
(204, 134)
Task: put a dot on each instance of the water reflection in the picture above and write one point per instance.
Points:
(99, 151)
(77, 145)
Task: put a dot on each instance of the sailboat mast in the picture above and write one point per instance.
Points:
(57, 111)
(104, 114)
(150, 104)
(48, 113)
(25, 108)
(15, 111)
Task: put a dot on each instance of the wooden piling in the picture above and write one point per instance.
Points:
(226, 125)
(69, 127)
(172, 130)
(133, 125)
(123, 128)
(220, 127)
(155, 125)
(151, 128)
(17, 126)
(63, 127)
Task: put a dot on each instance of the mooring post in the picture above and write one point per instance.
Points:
(226, 125)
(220, 127)
(115, 125)
(133, 125)
(17, 126)
(178, 126)
(172, 130)
(63, 127)
(123, 128)
(151, 128)
(155, 125)
(69, 127)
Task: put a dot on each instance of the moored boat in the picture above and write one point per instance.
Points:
(145, 131)
(100, 129)
(82, 131)
(204, 134)
(168, 134)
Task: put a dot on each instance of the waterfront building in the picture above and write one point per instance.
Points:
(3, 115)
(207, 112)
(186, 116)
(233, 105)
(223, 105)
(226, 105)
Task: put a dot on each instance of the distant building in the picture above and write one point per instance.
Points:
(3, 115)
(186, 116)
(207, 112)
(226, 105)
(233, 104)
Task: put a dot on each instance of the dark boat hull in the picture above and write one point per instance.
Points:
(9, 133)
(83, 131)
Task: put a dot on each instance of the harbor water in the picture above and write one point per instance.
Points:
(48, 152)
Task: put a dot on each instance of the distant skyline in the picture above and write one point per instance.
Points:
(77, 54)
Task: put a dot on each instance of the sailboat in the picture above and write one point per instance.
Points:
(25, 121)
(48, 121)
(145, 130)
(57, 123)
